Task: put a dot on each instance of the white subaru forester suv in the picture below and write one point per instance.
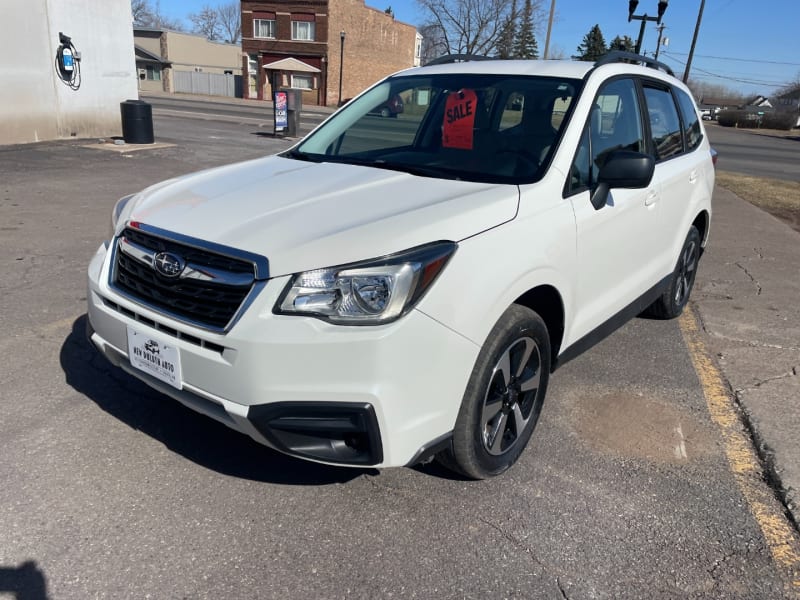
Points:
(389, 290)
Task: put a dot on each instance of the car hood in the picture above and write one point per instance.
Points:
(304, 215)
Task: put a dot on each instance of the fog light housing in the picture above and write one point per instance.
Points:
(334, 432)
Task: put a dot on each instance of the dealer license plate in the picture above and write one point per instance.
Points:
(155, 357)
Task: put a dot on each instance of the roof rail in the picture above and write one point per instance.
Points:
(454, 58)
(620, 56)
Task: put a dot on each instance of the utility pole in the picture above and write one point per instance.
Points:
(694, 41)
(549, 29)
(658, 43)
(632, 4)
(342, 35)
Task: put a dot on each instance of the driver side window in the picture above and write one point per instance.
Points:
(614, 124)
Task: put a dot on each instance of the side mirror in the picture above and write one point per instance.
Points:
(622, 169)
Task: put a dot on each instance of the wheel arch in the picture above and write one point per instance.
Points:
(547, 302)
(702, 221)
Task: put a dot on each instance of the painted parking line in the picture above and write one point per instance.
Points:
(778, 532)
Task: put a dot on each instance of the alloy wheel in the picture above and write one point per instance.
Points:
(511, 396)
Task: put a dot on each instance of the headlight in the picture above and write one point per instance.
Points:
(368, 293)
(115, 214)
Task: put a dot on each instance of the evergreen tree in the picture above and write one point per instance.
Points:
(624, 43)
(505, 42)
(525, 45)
(593, 45)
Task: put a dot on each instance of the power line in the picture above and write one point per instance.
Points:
(751, 60)
(727, 77)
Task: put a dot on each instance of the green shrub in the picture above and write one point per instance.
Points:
(750, 120)
(781, 120)
(729, 118)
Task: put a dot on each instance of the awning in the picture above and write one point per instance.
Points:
(291, 64)
(145, 56)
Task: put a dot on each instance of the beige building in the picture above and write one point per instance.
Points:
(172, 61)
(313, 34)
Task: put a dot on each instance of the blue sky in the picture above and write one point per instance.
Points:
(749, 46)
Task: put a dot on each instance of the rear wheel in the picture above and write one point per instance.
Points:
(675, 298)
(504, 396)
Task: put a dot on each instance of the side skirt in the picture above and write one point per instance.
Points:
(598, 334)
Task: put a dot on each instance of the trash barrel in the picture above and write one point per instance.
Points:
(137, 122)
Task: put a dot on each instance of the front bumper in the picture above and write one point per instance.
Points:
(359, 396)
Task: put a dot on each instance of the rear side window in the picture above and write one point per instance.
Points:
(691, 123)
(665, 126)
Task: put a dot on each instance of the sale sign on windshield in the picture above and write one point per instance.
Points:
(459, 119)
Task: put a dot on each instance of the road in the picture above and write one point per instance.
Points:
(755, 154)
(110, 490)
(254, 114)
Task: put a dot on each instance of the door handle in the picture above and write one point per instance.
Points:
(693, 176)
(651, 198)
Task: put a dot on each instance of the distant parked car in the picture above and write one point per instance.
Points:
(391, 108)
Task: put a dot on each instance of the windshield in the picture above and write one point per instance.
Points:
(489, 128)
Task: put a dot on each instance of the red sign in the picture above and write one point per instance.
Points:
(459, 119)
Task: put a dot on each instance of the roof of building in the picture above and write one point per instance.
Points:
(146, 56)
(291, 64)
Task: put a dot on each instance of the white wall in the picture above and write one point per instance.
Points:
(34, 103)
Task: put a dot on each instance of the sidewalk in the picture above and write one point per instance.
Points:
(265, 104)
(748, 297)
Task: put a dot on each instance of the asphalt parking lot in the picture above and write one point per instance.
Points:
(109, 490)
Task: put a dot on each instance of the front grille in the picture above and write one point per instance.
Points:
(205, 303)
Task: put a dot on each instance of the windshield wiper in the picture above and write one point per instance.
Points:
(297, 154)
(418, 170)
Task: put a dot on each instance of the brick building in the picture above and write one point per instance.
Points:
(297, 44)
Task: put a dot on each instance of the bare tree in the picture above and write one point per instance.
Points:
(704, 89)
(142, 12)
(206, 23)
(147, 15)
(230, 20)
(557, 53)
(469, 26)
(432, 43)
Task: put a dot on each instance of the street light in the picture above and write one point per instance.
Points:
(341, 63)
(632, 4)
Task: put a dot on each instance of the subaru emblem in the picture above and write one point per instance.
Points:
(168, 264)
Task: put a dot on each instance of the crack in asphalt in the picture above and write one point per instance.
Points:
(561, 589)
(749, 343)
(514, 541)
(718, 563)
(766, 456)
(753, 279)
(760, 382)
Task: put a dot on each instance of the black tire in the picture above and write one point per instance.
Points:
(503, 398)
(676, 296)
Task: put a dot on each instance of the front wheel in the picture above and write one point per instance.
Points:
(675, 298)
(504, 396)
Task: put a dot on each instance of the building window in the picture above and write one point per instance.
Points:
(264, 28)
(303, 31)
(153, 73)
(303, 82)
